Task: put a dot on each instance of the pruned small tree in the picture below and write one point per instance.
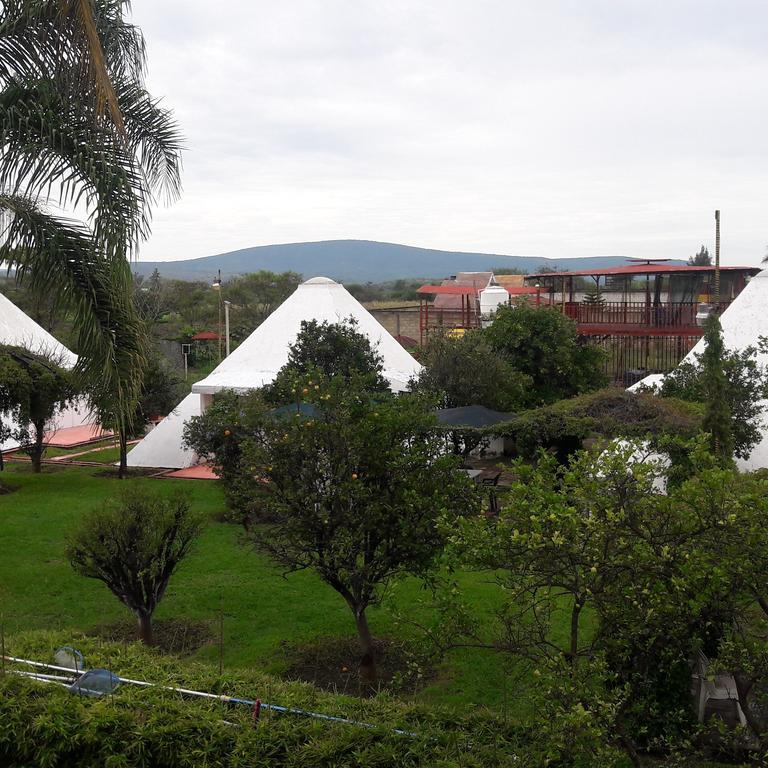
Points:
(134, 546)
(33, 387)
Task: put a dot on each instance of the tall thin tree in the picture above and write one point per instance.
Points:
(78, 131)
(717, 415)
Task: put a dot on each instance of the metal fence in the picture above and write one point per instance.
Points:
(669, 315)
(631, 358)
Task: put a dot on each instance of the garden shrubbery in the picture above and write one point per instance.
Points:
(44, 725)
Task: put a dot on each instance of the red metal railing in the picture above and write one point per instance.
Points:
(667, 315)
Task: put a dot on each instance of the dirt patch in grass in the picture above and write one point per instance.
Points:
(4, 489)
(332, 663)
(180, 637)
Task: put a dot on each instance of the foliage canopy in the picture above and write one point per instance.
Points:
(542, 343)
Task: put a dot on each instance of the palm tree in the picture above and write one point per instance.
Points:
(80, 133)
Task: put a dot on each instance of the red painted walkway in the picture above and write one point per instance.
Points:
(74, 436)
(199, 472)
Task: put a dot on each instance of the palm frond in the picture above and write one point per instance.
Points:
(50, 149)
(153, 137)
(86, 39)
(56, 257)
(84, 45)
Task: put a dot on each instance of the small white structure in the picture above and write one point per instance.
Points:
(491, 298)
(258, 359)
(19, 330)
(163, 446)
(743, 322)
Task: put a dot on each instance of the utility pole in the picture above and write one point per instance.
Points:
(717, 261)
(226, 323)
(216, 285)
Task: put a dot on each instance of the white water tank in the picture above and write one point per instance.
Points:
(705, 310)
(491, 298)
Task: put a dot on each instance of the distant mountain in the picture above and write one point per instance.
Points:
(359, 261)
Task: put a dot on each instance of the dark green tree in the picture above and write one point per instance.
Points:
(161, 390)
(330, 350)
(701, 258)
(465, 370)
(717, 416)
(134, 546)
(33, 387)
(732, 386)
(543, 344)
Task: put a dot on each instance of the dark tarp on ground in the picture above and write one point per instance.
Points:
(474, 416)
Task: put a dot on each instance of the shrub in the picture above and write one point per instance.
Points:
(134, 546)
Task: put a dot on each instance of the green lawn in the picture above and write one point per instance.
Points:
(108, 455)
(262, 609)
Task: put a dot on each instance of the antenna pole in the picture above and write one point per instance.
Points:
(717, 261)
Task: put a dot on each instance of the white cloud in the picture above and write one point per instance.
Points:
(558, 128)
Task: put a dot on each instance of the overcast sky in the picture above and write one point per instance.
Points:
(560, 128)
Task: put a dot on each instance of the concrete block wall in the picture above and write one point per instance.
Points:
(399, 322)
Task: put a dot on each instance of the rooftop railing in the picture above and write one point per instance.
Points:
(677, 314)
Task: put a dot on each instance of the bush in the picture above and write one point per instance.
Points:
(44, 725)
(134, 547)
(608, 413)
(543, 344)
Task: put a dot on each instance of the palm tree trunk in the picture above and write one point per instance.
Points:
(123, 469)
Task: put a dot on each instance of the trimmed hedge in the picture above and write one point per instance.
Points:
(45, 725)
(608, 413)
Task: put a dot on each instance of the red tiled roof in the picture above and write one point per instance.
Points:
(206, 336)
(450, 290)
(641, 269)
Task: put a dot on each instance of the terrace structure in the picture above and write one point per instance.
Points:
(646, 315)
(462, 302)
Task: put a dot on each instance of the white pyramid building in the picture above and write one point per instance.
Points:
(743, 322)
(258, 359)
(19, 330)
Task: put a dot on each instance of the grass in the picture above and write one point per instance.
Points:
(262, 609)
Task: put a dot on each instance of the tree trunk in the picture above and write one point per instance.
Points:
(145, 629)
(573, 652)
(36, 451)
(367, 668)
(123, 438)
